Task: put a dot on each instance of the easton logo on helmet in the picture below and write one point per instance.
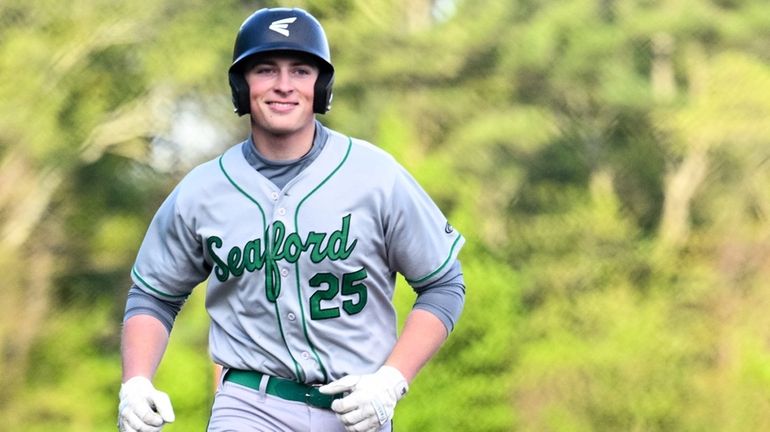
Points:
(282, 26)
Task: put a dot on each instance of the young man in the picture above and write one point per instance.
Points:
(300, 231)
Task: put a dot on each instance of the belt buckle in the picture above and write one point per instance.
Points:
(317, 399)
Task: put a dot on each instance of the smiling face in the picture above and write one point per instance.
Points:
(281, 90)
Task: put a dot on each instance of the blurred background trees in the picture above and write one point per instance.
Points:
(607, 160)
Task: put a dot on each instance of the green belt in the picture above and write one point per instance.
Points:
(282, 388)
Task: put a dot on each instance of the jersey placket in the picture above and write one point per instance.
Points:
(310, 354)
(288, 301)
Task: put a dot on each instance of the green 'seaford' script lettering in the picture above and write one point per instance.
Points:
(264, 254)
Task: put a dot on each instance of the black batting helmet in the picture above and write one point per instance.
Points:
(281, 29)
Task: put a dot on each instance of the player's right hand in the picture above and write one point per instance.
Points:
(143, 408)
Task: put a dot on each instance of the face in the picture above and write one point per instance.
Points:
(281, 88)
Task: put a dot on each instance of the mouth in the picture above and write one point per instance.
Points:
(281, 106)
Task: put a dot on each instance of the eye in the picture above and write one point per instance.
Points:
(262, 69)
(303, 70)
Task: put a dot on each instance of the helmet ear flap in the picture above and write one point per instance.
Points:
(240, 91)
(322, 100)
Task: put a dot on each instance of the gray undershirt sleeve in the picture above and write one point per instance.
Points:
(444, 297)
(141, 303)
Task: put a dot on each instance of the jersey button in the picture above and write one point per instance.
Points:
(291, 316)
(281, 211)
(274, 196)
(305, 355)
(284, 272)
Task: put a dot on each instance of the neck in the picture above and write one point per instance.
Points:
(281, 147)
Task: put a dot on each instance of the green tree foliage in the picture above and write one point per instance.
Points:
(84, 89)
(607, 161)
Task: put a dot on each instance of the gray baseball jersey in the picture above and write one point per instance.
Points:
(300, 279)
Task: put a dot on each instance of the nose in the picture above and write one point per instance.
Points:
(283, 82)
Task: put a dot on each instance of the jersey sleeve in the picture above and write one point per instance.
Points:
(421, 243)
(170, 261)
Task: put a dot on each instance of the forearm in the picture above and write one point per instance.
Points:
(421, 338)
(143, 343)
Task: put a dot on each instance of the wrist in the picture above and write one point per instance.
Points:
(136, 377)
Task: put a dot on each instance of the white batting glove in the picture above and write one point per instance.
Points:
(142, 408)
(370, 399)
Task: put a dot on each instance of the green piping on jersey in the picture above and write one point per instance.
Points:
(272, 282)
(433, 273)
(296, 266)
(272, 296)
(151, 288)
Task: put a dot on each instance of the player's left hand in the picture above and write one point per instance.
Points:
(371, 398)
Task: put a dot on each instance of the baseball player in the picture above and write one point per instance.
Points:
(300, 231)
